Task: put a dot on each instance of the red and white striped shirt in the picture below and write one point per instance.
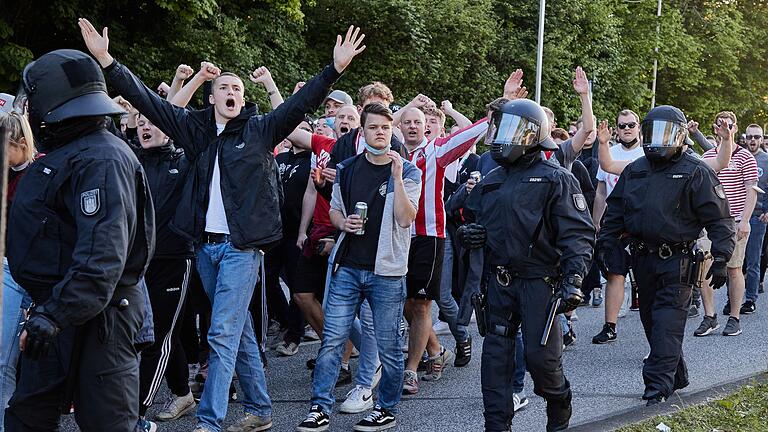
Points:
(432, 158)
(741, 171)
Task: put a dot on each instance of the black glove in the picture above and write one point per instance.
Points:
(570, 292)
(718, 273)
(472, 236)
(41, 332)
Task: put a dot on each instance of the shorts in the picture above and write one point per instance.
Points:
(425, 267)
(310, 276)
(737, 259)
(616, 262)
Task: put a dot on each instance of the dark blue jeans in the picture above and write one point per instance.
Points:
(752, 257)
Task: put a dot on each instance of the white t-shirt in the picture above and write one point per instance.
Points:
(618, 153)
(216, 217)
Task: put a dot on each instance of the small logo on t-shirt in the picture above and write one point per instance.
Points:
(383, 189)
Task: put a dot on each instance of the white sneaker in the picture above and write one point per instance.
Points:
(520, 401)
(310, 334)
(441, 328)
(376, 377)
(287, 349)
(359, 399)
(176, 407)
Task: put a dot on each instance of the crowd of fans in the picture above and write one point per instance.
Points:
(307, 261)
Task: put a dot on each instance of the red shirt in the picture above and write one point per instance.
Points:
(321, 151)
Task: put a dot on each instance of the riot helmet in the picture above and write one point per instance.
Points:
(518, 128)
(62, 85)
(664, 130)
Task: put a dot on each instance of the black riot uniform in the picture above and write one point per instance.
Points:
(659, 206)
(532, 220)
(83, 235)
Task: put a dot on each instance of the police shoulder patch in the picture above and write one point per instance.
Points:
(580, 202)
(720, 191)
(90, 202)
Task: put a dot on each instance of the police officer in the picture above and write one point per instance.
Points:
(660, 205)
(83, 235)
(531, 218)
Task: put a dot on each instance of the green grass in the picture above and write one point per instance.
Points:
(745, 410)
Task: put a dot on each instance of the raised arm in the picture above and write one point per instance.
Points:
(723, 158)
(283, 120)
(264, 77)
(208, 71)
(420, 101)
(581, 86)
(173, 121)
(460, 119)
(604, 151)
(183, 72)
(698, 137)
(453, 146)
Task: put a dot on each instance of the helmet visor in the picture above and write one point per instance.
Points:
(510, 129)
(659, 133)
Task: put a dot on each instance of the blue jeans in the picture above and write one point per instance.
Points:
(363, 338)
(347, 290)
(752, 257)
(14, 300)
(518, 383)
(449, 310)
(229, 277)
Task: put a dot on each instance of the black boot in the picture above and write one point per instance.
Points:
(559, 414)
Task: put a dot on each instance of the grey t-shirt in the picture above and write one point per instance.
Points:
(761, 206)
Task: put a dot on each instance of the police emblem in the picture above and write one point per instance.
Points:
(90, 202)
(580, 202)
(719, 191)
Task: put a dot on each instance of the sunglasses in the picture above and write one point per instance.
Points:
(753, 137)
(631, 125)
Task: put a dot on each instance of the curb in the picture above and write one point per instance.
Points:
(638, 414)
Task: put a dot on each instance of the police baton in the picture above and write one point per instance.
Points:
(554, 305)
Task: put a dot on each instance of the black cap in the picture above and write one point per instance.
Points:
(65, 84)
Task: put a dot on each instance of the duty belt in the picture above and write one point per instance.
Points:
(664, 250)
(505, 274)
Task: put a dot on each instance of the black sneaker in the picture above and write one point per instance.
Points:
(311, 363)
(345, 377)
(693, 311)
(748, 307)
(732, 327)
(655, 400)
(558, 414)
(377, 420)
(463, 353)
(607, 334)
(708, 326)
(727, 308)
(316, 421)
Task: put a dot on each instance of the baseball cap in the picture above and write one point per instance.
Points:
(6, 103)
(340, 97)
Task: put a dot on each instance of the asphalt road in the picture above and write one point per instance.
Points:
(605, 379)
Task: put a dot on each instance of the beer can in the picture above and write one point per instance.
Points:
(476, 176)
(361, 209)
